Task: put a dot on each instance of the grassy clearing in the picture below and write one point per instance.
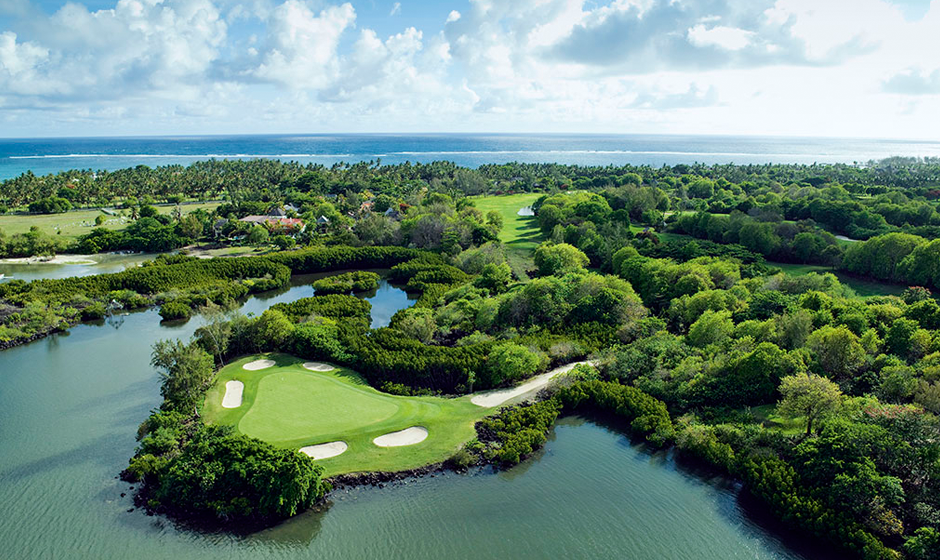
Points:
(767, 416)
(862, 287)
(291, 407)
(79, 222)
(520, 234)
(242, 251)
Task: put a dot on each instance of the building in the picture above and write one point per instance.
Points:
(276, 223)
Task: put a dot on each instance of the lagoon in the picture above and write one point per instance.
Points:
(69, 409)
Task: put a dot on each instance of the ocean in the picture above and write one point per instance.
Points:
(42, 156)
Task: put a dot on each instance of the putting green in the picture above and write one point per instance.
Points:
(292, 407)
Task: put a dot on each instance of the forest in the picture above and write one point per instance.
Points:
(677, 282)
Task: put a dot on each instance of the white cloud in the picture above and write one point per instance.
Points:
(729, 38)
(303, 45)
(728, 66)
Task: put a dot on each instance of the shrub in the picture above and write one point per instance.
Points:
(175, 310)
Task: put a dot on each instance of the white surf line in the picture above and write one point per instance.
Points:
(325, 450)
(490, 399)
(318, 366)
(408, 436)
(233, 394)
(259, 364)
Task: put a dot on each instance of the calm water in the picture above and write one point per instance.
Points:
(70, 405)
(51, 155)
(105, 263)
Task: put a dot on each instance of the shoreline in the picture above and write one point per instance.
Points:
(61, 258)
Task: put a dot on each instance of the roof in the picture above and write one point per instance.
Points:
(273, 220)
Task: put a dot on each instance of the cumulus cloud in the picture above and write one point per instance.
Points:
(303, 45)
(913, 82)
(137, 46)
(640, 37)
(667, 65)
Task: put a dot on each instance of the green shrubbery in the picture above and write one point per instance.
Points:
(358, 281)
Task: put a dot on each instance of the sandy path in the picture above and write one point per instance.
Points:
(318, 366)
(258, 364)
(499, 396)
(57, 259)
(233, 394)
(325, 450)
(408, 436)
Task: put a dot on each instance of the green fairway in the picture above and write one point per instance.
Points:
(520, 234)
(292, 407)
(79, 222)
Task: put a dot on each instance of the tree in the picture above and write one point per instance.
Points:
(711, 327)
(99, 220)
(495, 278)
(186, 371)
(417, 323)
(147, 211)
(283, 242)
(273, 329)
(216, 334)
(559, 259)
(837, 350)
(258, 236)
(191, 227)
(808, 396)
(510, 362)
(898, 338)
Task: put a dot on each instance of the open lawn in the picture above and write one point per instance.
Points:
(863, 287)
(79, 222)
(767, 416)
(292, 407)
(520, 234)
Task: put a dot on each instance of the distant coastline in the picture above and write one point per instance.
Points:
(45, 155)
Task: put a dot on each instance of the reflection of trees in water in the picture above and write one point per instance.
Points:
(298, 531)
(517, 471)
(115, 320)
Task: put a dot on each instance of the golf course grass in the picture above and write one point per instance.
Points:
(520, 234)
(289, 406)
(74, 223)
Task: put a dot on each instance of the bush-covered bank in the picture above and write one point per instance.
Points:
(357, 281)
(516, 432)
(178, 283)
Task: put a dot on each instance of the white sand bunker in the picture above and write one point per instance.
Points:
(259, 364)
(408, 436)
(233, 394)
(318, 366)
(498, 397)
(325, 450)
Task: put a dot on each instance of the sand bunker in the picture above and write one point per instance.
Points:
(318, 366)
(325, 450)
(498, 397)
(408, 436)
(233, 394)
(259, 364)
(525, 211)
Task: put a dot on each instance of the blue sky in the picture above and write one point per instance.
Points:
(865, 68)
